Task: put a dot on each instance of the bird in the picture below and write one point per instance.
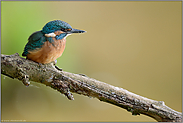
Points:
(48, 44)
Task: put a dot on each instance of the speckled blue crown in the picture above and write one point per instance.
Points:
(54, 26)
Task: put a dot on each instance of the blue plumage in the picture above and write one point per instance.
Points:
(36, 40)
(55, 25)
(52, 34)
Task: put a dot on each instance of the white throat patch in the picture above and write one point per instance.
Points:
(66, 36)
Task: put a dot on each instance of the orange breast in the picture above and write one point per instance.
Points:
(48, 52)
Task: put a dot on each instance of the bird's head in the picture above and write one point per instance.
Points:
(58, 25)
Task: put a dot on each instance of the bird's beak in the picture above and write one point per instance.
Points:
(75, 31)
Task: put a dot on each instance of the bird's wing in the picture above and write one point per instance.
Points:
(36, 40)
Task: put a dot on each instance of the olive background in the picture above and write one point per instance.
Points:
(133, 45)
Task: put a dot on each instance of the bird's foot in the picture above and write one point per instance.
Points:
(55, 62)
(60, 69)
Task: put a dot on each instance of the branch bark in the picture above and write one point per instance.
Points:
(14, 66)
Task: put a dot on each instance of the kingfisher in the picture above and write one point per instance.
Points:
(48, 44)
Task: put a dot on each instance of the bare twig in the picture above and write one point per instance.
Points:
(25, 70)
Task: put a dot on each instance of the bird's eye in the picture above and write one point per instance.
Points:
(62, 29)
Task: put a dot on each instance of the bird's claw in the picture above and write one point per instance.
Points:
(60, 69)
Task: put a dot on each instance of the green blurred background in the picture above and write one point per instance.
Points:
(133, 45)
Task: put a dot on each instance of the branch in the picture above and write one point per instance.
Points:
(14, 66)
